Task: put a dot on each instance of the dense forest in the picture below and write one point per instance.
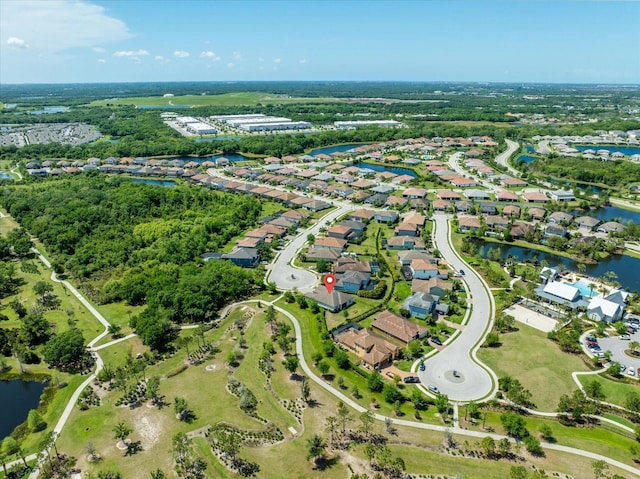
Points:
(612, 173)
(140, 243)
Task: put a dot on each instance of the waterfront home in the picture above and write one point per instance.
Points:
(496, 223)
(610, 227)
(548, 274)
(554, 230)
(519, 229)
(587, 222)
(562, 195)
(469, 223)
(509, 182)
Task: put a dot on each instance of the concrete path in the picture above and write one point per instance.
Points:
(474, 381)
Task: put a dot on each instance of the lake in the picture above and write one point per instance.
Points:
(327, 150)
(234, 158)
(529, 149)
(625, 267)
(625, 150)
(392, 169)
(5, 176)
(50, 109)
(17, 397)
(153, 182)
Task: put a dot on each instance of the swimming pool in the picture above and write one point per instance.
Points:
(584, 289)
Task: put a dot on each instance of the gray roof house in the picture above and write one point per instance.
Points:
(334, 301)
(559, 217)
(420, 305)
(245, 257)
(610, 227)
(588, 222)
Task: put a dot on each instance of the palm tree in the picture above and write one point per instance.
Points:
(582, 268)
(316, 445)
(634, 346)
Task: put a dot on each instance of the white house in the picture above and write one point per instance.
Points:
(562, 195)
(562, 291)
(600, 309)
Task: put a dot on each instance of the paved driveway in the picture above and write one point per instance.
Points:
(473, 382)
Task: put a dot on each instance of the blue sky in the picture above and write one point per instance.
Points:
(56, 41)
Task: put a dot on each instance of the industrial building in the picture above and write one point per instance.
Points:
(261, 122)
(345, 125)
(195, 126)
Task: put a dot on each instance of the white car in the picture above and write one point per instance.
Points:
(631, 372)
(625, 337)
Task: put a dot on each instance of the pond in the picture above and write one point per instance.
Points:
(625, 150)
(625, 267)
(525, 158)
(234, 158)
(17, 397)
(392, 169)
(153, 182)
(47, 110)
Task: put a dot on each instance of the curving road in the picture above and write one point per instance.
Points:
(474, 382)
(503, 158)
(289, 277)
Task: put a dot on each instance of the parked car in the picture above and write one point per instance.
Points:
(591, 338)
(631, 372)
(631, 330)
(436, 340)
(411, 379)
(456, 374)
(433, 388)
(461, 272)
(623, 368)
(422, 366)
(624, 337)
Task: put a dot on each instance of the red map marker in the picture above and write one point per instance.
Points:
(329, 281)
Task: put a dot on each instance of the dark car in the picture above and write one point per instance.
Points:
(591, 338)
(461, 272)
(422, 367)
(411, 379)
(436, 340)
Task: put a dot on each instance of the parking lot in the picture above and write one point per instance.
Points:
(617, 347)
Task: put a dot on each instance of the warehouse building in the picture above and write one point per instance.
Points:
(345, 125)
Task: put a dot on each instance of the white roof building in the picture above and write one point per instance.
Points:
(601, 309)
(562, 291)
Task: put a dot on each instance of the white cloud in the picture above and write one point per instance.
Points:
(61, 24)
(16, 42)
(131, 53)
(161, 59)
(99, 50)
(302, 61)
(181, 54)
(231, 65)
(102, 60)
(210, 56)
(236, 56)
(277, 60)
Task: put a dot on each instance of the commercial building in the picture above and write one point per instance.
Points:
(260, 122)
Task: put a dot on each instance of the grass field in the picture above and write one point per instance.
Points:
(537, 362)
(615, 392)
(226, 99)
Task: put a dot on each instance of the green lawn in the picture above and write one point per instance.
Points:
(614, 391)
(226, 99)
(537, 362)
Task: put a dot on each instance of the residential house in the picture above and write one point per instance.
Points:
(449, 195)
(463, 206)
(477, 194)
(469, 223)
(587, 222)
(423, 269)
(511, 211)
(610, 227)
(333, 243)
(362, 216)
(374, 351)
(496, 223)
(488, 208)
(397, 327)
(326, 254)
(562, 195)
(339, 231)
(348, 263)
(520, 229)
(420, 305)
(414, 193)
(506, 195)
(406, 229)
(404, 242)
(535, 197)
(436, 287)
(386, 216)
(619, 297)
(378, 199)
(513, 182)
(406, 257)
(334, 301)
(555, 230)
(395, 202)
(537, 213)
(559, 217)
(441, 205)
(245, 257)
(352, 281)
(548, 274)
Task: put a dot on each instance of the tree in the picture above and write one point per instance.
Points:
(291, 364)
(323, 367)
(514, 424)
(532, 444)
(342, 359)
(181, 408)
(65, 350)
(518, 472)
(419, 401)
(316, 446)
(305, 389)
(488, 445)
(151, 389)
(367, 420)
(504, 447)
(121, 431)
(615, 369)
(35, 422)
(115, 331)
(375, 382)
(546, 432)
(344, 415)
(492, 340)
(635, 347)
(442, 403)
(158, 474)
(41, 288)
(600, 468)
(594, 390)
